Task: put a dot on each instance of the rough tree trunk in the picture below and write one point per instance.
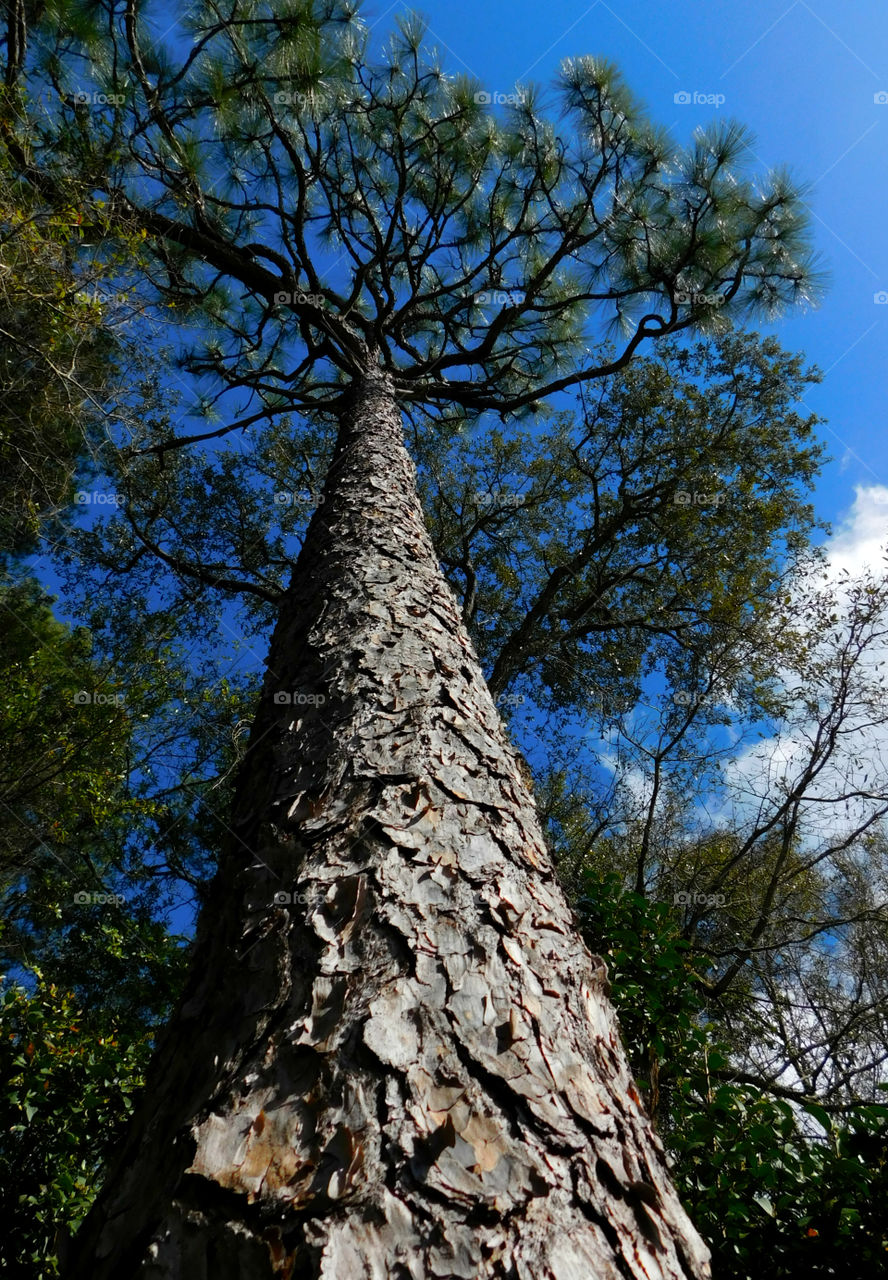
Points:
(412, 1069)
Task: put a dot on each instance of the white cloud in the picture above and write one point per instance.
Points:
(860, 539)
(757, 773)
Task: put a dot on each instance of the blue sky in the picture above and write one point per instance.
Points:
(803, 77)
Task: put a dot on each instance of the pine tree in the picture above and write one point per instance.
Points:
(394, 1055)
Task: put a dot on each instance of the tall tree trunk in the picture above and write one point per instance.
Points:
(395, 1057)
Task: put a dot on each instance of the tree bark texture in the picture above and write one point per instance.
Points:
(395, 1056)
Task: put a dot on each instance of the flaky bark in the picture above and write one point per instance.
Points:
(412, 1069)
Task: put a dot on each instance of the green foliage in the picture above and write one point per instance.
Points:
(777, 1189)
(64, 734)
(97, 973)
(113, 810)
(577, 549)
(79, 909)
(69, 1078)
(320, 210)
(775, 1200)
(58, 357)
(651, 973)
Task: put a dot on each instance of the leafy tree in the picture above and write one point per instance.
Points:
(94, 836)
(631, 540)
(59, 357)
(780, 881)
(109, 806)
(747, 955)
(63, 733)
(70, 1076)
(776, 1188)
(90, 964)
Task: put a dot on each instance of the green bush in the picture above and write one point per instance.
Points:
(777, 1190)
(68, 1085)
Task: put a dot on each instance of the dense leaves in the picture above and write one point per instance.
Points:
(64, 736)
(777, 1188)
(61, 352)
(69, 1076)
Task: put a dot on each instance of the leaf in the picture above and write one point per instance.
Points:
(822, 1116)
